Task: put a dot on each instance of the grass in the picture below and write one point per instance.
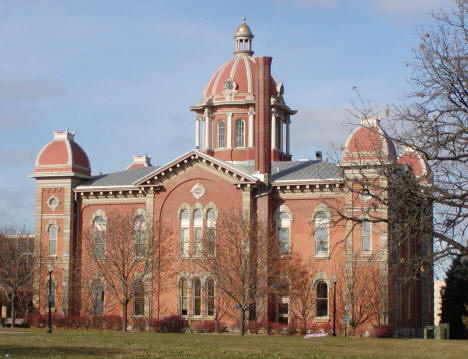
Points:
(34, 343)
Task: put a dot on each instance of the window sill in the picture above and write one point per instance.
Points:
(322, 256)
(322, 319)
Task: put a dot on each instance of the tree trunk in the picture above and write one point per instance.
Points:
(124, 316)
(242, 323)
(13, 298)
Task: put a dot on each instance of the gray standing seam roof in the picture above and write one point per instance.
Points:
(116, 179)
(299, 170)
(280, 171)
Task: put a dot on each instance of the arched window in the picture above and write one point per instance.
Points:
(99, 225)
(53, 240)
(321, 234)
(183, 296)
(97, 297)
(196, 297)
(240, 133)
(197, 232)
(284, 232)
(139, 237)
(221, 134)
(366, 238)
(139, 299)
(321, 299)
(210, 297)
(184, 233)
(210, 232)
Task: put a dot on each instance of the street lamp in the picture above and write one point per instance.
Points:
(49, 300)
(335, 279)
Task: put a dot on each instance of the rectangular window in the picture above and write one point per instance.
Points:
(184, 242)
(53, 240)
(366, 237)
(197, 241)
(283, 235)
(321, 241)
(283, 310)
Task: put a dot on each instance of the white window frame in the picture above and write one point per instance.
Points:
(322, 223)
(221, 139)
(239, 133)
(183, 299)
(53, 228)
(210, 233)
(196, 297)
(184, 233)
(197, 233)
(317, 299)
(284, 223)
(367, 236)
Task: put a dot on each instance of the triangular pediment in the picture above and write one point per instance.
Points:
(196, 158)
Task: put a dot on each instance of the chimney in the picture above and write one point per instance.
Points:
(263, 115)
(318, 155)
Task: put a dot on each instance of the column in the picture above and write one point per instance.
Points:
(281, 137)
(197, 132)
(250, 142)
(288, 143)
(207, 142)
(273, 130)
(229, 131)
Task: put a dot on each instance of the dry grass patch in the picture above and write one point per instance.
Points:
(33, 343)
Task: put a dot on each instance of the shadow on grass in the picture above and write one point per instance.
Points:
(56, 351)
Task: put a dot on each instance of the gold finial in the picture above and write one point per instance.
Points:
(243, 29)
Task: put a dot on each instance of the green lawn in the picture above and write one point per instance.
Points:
(34, 343)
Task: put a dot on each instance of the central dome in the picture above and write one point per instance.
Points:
(238, 74)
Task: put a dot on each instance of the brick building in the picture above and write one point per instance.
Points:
(241, 161)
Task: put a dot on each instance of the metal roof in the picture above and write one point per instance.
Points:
(118, 179)
(281, 171)
(299, 170)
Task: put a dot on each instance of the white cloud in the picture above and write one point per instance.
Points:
(319, 129)
(394, 8)
(18, 87)
(16, 156)
(409, 7)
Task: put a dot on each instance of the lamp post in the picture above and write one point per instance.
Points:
(335, 279)
(49, 300)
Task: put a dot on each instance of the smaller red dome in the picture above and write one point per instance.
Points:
(62, 156)
(369, 142)
(417, 164)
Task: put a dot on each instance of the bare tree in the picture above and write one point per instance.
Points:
(430, 200)
(362, 292)
(16, 267)
(123, 249)
(300, 290)
(246, 261)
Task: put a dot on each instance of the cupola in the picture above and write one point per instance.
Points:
(243, 38)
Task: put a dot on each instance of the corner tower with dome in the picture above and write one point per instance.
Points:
(241, 162)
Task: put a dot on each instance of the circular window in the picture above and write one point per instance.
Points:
(53, 202)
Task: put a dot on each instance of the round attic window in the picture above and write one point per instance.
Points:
(53, 203)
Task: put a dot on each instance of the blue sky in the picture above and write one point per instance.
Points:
(122, 74)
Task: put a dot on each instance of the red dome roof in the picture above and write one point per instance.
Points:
(369, 142)
(241, 70)
(62, 156)
(415, 162)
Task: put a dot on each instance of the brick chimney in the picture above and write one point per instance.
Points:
(263, 115)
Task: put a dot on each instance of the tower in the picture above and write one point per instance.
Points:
(60, 166)
(225, 118)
